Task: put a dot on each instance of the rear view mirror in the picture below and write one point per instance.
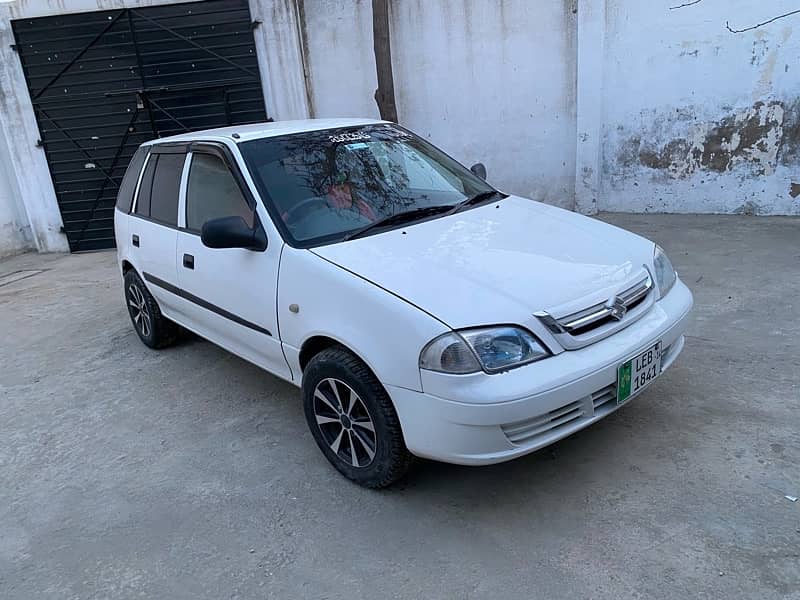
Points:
(233, 232)
(479, 169)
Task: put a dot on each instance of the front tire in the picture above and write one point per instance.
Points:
(153, 328)
(353, 420)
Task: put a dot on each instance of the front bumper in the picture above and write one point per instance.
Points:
(483, 419)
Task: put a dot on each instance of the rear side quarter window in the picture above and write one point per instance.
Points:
(143, 199)
(128, 186)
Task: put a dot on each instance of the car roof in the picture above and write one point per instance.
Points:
(256, 131)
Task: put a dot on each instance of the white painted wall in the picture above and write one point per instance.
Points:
(24, 174)
(279, 48)
(696, 118)
(492, 82)
(339, 57)
(624, 106)
(590, 48)
(487, 81)
(15, 235)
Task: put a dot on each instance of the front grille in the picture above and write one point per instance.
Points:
(590, 318)
(524, 431)
(588, 325)
(608, 318)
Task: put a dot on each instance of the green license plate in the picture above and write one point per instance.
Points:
(637, 373)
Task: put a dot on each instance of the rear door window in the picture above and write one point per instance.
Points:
(128, 185)
(166, 188)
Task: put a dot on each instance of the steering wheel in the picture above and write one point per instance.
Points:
(302, 208)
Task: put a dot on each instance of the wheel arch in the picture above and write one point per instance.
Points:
(126, 266)
(319, 342)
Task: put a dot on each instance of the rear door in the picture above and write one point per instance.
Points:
(154, 220)
(229, 295)
(125, 199)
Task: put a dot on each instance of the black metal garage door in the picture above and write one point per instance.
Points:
(104, 82)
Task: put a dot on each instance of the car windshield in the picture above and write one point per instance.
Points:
(323, 186)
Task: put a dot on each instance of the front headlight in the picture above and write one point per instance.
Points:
(492, 349)
(665, 274)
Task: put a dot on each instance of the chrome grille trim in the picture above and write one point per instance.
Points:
(586, 326)
(601, 311)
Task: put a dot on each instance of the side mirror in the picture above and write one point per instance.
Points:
(479, 169)
(233, 232)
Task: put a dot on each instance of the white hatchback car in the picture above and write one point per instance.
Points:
(421, 311)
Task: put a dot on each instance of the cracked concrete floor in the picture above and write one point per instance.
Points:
(189, 473)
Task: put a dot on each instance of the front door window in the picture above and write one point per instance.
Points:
(212, 192)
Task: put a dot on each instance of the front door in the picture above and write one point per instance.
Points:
(228, 295)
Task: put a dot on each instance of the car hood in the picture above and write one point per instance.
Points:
(497, 263)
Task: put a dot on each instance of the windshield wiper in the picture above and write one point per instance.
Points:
(476, 199)
(424, 211)
(401, 217)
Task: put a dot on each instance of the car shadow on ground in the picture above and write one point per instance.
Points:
(621, 447)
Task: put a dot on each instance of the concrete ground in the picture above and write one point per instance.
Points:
(189, 473)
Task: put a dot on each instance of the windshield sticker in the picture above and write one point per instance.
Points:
(394, 132)
(357, 146)
(350, 137)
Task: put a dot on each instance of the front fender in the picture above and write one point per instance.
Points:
(385, 331)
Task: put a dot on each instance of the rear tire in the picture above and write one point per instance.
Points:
(153, 328)
(353, 419)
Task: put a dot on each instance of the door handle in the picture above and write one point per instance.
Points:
(188, 261)
(135, 240)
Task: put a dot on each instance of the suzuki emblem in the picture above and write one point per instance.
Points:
(617, 307)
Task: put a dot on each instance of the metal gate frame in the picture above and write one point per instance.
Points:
(153, 105)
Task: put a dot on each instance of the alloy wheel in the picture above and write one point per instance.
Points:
(138, 309)
(345, 422)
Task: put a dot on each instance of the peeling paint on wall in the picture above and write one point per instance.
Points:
(789, 152)
(698, 119)
(745, 161)
(749, 138)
